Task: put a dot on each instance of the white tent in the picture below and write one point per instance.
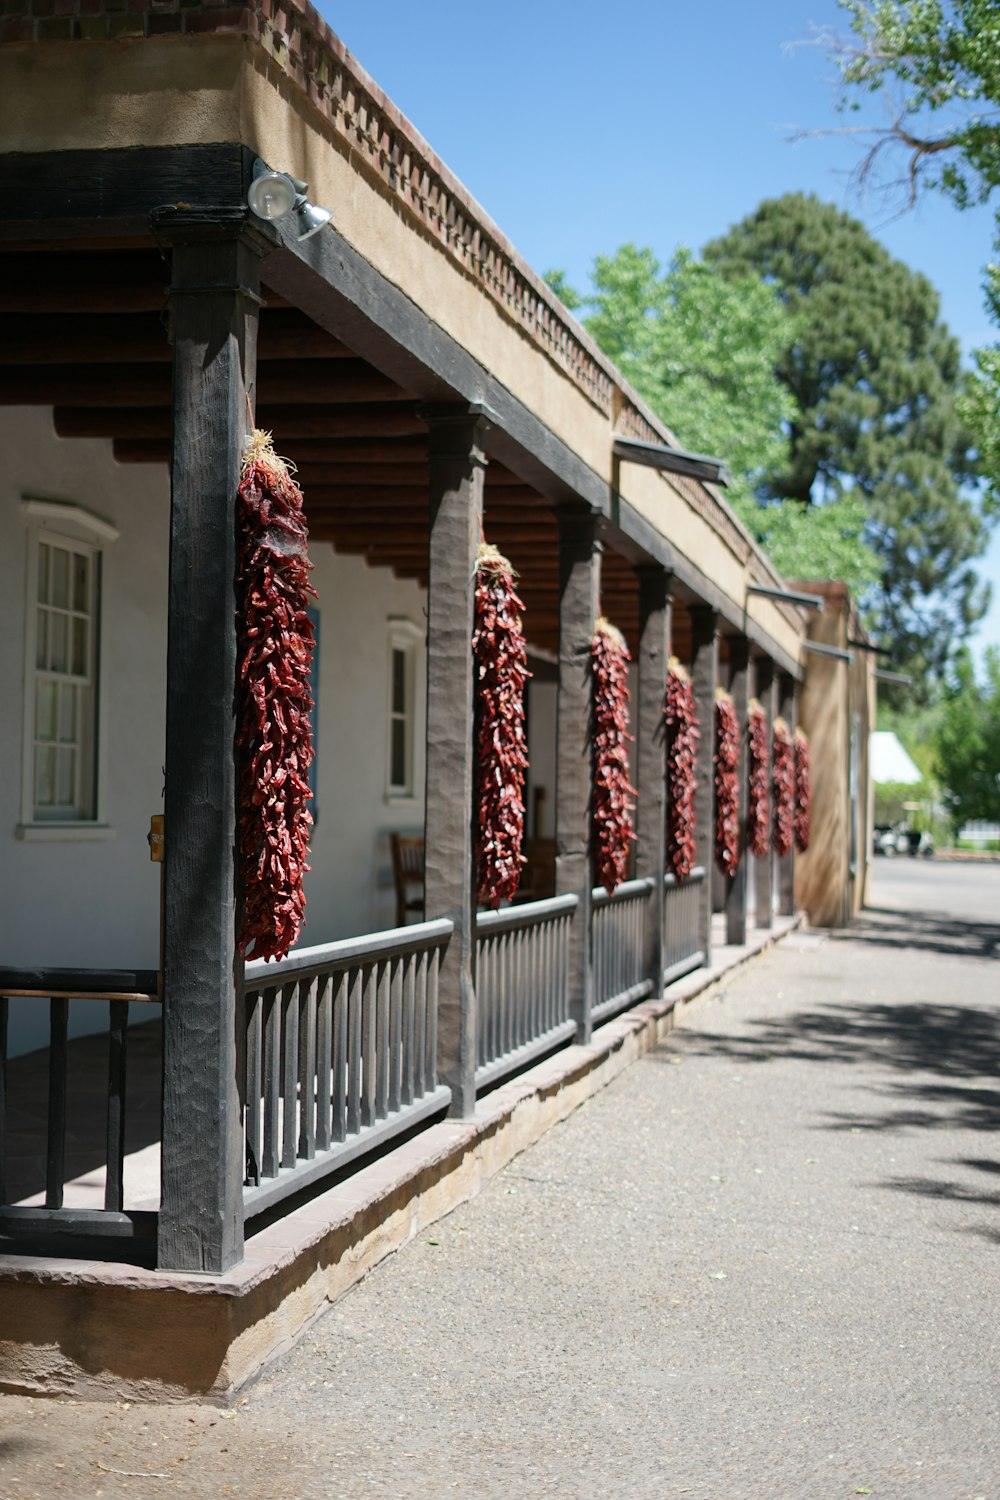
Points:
(889, 761)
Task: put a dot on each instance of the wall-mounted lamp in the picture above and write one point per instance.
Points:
(272, 195)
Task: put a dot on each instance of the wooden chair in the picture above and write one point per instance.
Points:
(408, 875)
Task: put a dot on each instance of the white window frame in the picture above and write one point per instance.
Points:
(405, 636)
(61, 523)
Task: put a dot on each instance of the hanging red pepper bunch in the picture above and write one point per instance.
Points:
(803, 792)
(683, 734)
(758, 808)
(613, 792)
(273, 735)
(727, 761)
(783, 787)
(501, 673)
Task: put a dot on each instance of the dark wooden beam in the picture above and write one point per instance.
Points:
(97, 281)
(201, 1215)
(457, 459)
(764, 690)
(287, 383)
(736, 883)
(651, 758)
(704, 675)
(307, 422)
(579, 592)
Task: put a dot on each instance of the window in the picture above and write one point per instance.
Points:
(404, 640)
(62, 667)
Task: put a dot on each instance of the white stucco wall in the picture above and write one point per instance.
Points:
(95, 902)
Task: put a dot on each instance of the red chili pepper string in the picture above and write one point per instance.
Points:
(803, 792)
(275, 643)
(681, 719)
(613, 791)
(783, 789)
(758, 775)
(501, 670)
(727, 761)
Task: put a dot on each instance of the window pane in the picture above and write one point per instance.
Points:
(397, 769)
(59, 627)
(67, 777)
(81, 582)
(45, 776)
(398, 682)
(67, 712)
(60, 577)
(80, 666)
(42, 639)
(43, 572)
(45, 711)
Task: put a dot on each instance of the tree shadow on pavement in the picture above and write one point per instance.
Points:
(930, 931)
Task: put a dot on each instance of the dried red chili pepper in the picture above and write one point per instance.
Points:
(681, 719)
(501, 667)
(758, 804)
(613, 791)
(273, 734)
(803, 792)
(727, 762)
(783, 786)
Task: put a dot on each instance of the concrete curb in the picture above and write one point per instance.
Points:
(106, 1331)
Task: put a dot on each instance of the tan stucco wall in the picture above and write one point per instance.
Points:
(821, 873)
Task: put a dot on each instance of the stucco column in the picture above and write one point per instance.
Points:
(214, 306)
(651, 758)
(457, 462)
(579, 591)
(704, 674)
(736, 883)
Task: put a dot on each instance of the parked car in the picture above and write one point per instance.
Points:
(895, 838)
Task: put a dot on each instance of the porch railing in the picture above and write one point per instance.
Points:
(617, 947)
(64, 1112)
(683, 951)
(522, 984)
(341, 1055)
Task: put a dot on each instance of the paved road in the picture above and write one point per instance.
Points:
(764, 1262)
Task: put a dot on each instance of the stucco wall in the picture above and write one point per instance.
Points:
(67, 901)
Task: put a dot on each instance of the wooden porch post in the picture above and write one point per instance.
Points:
(786, 866)
(214, 306)
(764, 674)
(736, 884)
(579, 590)
(704, 672)
(457, 463)
(651, 758)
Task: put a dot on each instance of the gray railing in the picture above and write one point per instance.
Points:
(617, 947)
(522, 984)
(67, 1110)
(341, 1054)
(683, 951)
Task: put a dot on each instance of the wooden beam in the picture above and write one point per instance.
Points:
(288, 423)
(101, 281)
(457, 460)
(786, 865)
(288, 383)
(736, 883)
(704, 675)
(579, 591)
(764, 864)
(651, 759)
(201, 1216)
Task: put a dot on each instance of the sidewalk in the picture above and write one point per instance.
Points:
(761, 1262)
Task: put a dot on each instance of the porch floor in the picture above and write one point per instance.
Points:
(160, 1335)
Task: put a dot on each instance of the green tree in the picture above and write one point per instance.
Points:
(968, 741)
(875, 374)
(702, 349)
(933, 71)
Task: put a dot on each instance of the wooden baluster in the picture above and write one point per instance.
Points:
(409, 1027)
(396, 1035)
(290, 1070)
(114, 1182)
(252, 1103)
(324, 1061)
(420, 1032)
(272, 1083)
(433, 979)
(56, 1144)
(341, 1030)
(382, 1041)
(307, 1072)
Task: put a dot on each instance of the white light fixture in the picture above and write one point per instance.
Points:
(272, 195)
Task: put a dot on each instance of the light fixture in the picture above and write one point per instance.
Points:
(272, 195)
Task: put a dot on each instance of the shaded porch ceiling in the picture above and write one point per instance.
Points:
(87, 332)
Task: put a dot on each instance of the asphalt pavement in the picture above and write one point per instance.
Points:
(762, 1262)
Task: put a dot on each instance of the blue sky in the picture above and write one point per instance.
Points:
(579, 127)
